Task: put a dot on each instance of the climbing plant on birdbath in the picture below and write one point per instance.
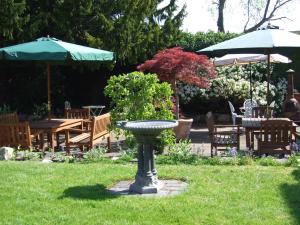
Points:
(175, 64)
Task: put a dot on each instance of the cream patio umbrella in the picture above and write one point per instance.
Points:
(242, 59)
(264, 41)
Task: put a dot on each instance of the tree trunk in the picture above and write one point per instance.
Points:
(220, 22)
(176, 99)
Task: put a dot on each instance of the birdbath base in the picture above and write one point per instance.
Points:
(145, 185)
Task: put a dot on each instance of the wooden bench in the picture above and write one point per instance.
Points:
(16, 135)
(9, 118)
(90, 138)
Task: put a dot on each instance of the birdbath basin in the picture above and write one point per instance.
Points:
(146, 132)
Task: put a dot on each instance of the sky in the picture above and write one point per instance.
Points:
(200, 16)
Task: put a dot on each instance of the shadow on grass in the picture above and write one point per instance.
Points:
(291, 193)
(92, 192)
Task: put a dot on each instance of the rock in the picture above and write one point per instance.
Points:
(47, 161)
(6, 153)
(115, 158)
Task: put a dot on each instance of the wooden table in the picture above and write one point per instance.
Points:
(52, 127)
(253, 124)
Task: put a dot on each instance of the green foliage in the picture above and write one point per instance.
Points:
(4, 109)
(233, 84)
(27, 155)
(40, 111)
(181, 153)
(139, 96)
(95, 154)
(134, 29)
(12, 20)
(62, 157)
(268, 161)
(128, 155)
(200, 40)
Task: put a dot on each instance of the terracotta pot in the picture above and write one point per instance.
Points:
(182, 131)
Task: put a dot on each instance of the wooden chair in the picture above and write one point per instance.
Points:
(220, 140)
(9, 118)
(16, 135)
(77, 113)
(262, 111)
(275, 137)
(90, 138)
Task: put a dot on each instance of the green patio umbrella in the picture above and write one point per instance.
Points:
(51, 50)
(265, 41)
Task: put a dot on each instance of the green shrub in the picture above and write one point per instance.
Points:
(4, 109)
(181, 153)
(95, 155)
(127, 155)
(268, 161)
(139, 96)
(61, 157)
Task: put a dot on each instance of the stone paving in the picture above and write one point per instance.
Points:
(169, 188)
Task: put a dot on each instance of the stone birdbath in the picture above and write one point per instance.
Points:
(146, 132)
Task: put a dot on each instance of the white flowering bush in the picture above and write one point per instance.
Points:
(233, 84)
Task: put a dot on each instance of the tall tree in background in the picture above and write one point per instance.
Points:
(257, 12)
(220, 21)
(135, 29)
(261, 12)
(12, 20)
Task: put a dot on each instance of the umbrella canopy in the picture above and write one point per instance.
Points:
(52, 49)
(49, 50)
(240, 59)
(265, 41)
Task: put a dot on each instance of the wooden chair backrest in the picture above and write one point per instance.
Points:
(262, 111)
(100, 126)
(9, 118)
(276, 132)
(77, 113)
(15, 135)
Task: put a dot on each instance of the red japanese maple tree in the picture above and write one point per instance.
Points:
(174, 64)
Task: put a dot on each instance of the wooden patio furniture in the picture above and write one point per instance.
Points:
(220, 140)
(247, 107)
(275, 137)
(16, 135)
(90, 138)
(79, 114)
(9, 118)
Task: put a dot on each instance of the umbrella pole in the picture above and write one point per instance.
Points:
(48, 91)
(251, 93)
(268, 80)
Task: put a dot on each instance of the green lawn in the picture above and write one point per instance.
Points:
(36, 193)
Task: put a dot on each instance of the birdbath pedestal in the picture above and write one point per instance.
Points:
(146, 132)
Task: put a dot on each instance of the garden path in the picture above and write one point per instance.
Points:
(199, 138)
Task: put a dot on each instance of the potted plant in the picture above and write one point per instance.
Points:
(176, 65)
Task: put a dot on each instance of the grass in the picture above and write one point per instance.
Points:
(59, 193)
